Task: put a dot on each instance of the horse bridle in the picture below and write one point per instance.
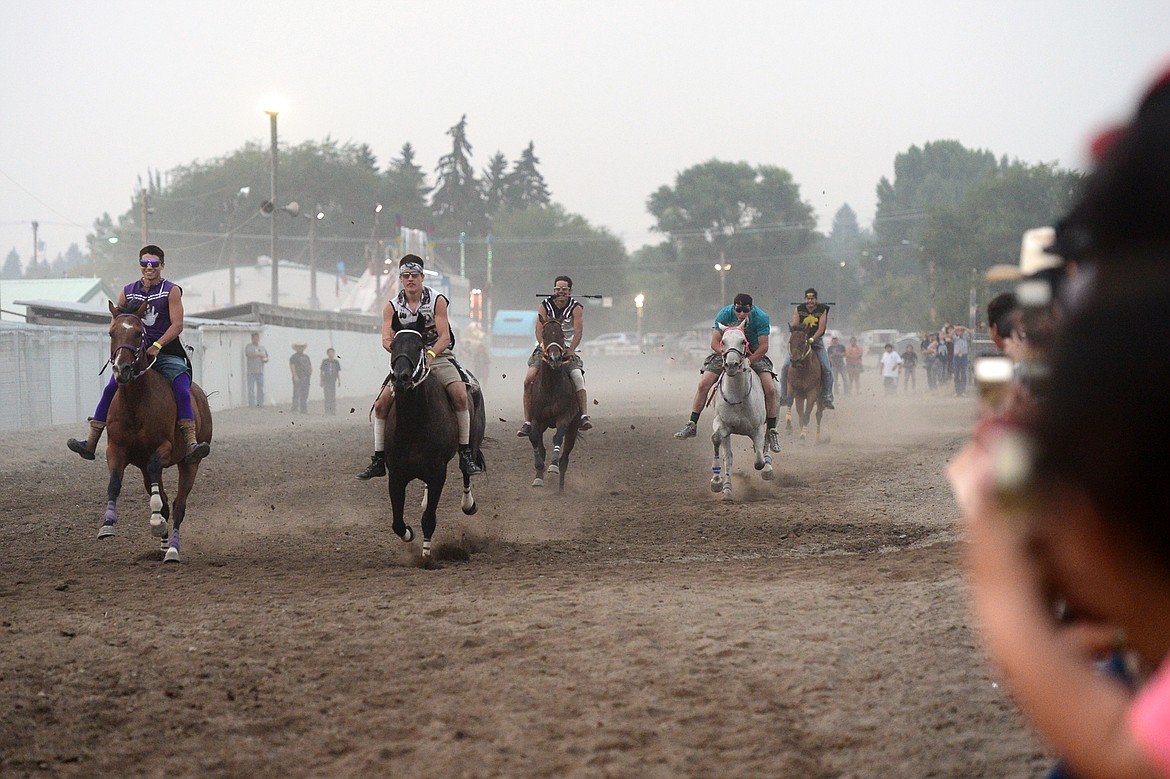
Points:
(421, 369)
(135, 352)
(739, 368)
(807, 350)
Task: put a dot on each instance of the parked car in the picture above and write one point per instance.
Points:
(611, 344)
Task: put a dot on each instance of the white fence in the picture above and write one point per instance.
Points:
(51, 375)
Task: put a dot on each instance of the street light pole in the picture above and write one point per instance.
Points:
(317, 215)
(272, 113)
(639, 301)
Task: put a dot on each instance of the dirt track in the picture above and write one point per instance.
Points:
(635, 626)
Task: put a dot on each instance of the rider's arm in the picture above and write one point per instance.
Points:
(387, 325)
(796, 320)
(443, 325)
(579, 330)
(175, 306)
(761, 348)
(539, 327)
(717, 340)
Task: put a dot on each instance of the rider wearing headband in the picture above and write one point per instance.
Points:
(560, 307)
(756, 326)
(162, 323)
(814, 318)
(421, 308)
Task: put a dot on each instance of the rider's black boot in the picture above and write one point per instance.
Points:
(377, 467)
(467, 462)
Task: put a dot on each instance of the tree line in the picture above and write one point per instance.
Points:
(948, 214)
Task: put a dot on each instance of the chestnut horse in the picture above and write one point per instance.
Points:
(422, 435)
(552, 401)
(804, 382)
(142, 430)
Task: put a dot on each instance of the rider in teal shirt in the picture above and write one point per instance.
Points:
(756, 327)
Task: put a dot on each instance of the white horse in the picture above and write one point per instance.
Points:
(739, 408)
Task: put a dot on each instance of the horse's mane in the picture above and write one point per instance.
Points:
(129, 307)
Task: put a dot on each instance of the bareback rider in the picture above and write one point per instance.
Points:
(162, 323)
(814, 318)
(756, 328)
(560, 307)
(421, 308)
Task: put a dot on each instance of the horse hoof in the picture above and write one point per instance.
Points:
(426, 547)
(727, 496)
(107, 531)
(554, 468)
(716, 486)
(768, 474)
(471, 510)
(538, 482)
(760, 466)
(157, 521)
(172, 555)
(408, 535)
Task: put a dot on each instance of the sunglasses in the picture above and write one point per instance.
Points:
(411, 275)
(743, 309)
(150, 263)
(561, 289)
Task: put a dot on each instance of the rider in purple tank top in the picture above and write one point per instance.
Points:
(163, 321)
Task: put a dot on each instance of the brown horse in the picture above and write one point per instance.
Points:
(142, 430)
(804, 382)
(553, 403)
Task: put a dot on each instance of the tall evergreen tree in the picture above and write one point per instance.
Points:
(457, 202)
(495, 179)
(11, 269)
(525, 185)
(405, 195)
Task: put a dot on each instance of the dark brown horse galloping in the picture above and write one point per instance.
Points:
(142, 430)
(804, 381)
(553, 403)
(422, 435)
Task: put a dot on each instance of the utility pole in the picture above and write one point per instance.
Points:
(145, 216)
(36, 243)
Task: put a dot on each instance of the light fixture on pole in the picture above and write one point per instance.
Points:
(722, 266)
(273, 105)
(293, 209)
(639, 302)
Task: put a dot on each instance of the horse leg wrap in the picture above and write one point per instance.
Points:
(426, 547)
(111, 513)
(156, 504)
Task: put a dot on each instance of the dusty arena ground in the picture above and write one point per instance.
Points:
(634, 626)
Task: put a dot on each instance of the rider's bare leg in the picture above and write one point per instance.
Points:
(769, 384)
(706, 381)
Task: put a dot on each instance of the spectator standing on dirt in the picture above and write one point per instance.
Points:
(960, 348)
(300, 368)
(909, 366)
(836, 353)
(930, 360)
(890, 363)
(853, 357)
(330, 379)
(256, 357)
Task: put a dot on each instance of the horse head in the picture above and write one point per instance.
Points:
(127, 341)
(798, 343)
(407, 365)
(552, 340)
(735, 349)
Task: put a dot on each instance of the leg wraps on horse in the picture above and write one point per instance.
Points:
(103, 407)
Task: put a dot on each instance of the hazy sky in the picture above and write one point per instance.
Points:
(618, 96)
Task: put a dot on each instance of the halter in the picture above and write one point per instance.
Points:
(136, 352)
(546, 348)
(421, 369)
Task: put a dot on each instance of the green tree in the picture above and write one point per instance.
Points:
(405, 191)
(843, 249)
(524, 186)
(12, 268)
(753, 218)
(532, 246)
(457, 203)
(494, 183)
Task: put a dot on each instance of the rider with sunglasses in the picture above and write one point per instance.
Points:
(814, 318)
(162, 323)
(422, 308)
(561, 307)
(756, 326)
